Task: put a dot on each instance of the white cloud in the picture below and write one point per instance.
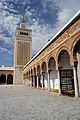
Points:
(8, 23)
(43, 32)
(6, 40)
(5, 50)
(66, 8)
(40, 35)
(40, 32)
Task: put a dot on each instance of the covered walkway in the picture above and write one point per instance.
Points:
(56, 66)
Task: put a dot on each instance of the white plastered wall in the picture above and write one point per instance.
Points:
(45, 80)
(53, 76)
(53, 79)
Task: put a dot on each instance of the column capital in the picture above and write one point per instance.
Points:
(37, 73)
(6, 76)
(59, 68)
(42, 72)
(33, 74)
(48, 71)
(75, 64)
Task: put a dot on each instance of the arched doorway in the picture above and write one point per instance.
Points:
(2, 79)
(66, 73)
(10, 79)
(53, 73)
(45, 76)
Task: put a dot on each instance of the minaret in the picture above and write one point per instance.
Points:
(22, 50)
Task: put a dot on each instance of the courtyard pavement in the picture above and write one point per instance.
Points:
(26, 103)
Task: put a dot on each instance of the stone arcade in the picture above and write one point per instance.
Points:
(56, 66)
(6, 75)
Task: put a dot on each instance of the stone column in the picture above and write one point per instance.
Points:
(42, 81)
(37, 81)
(6, 79)
(48, 80)
(75, 80)
(34, 81)
(30, 82)
(59, 84)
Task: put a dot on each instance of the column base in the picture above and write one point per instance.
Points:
(76, 96)
(37, 87)
(49, 89)
(59, 94)
(42, 88)
(34, 87)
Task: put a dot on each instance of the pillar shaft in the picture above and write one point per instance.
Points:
(31, 81)
(37, 81)
(34, 81)
(42, 81)
(48, 81)
(59, 86)
(75, 82)
(6, 80)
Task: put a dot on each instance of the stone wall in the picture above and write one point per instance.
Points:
(18, 76)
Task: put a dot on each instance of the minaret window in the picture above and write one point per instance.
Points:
(23, 33)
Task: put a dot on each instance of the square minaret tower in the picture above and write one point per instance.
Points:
(22, 50)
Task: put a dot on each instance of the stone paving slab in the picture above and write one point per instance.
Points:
(26, 103)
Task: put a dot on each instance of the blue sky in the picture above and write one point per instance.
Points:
(44, 17)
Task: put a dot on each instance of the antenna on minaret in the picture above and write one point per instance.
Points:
(23, 23)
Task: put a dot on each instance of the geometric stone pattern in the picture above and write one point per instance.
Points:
(23, 53)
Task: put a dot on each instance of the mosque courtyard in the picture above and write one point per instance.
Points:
(26, 103)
